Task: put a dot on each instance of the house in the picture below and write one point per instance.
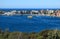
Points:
(58, 13)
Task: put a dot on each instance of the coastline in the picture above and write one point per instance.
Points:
(30, 15)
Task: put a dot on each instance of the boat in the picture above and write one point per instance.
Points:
(29, 16)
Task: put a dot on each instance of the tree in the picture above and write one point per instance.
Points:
(6, 34)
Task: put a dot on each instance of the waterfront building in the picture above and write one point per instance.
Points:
(18, 12)
(42, 11)
(28, 12)
(23, 12)
(34, 12)
(58, 13)
(1, 12)
(14, 11)
(9, 13)
(51, 11)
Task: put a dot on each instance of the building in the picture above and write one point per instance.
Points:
(58, 13)
(34, 12)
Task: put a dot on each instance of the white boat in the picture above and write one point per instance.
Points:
(29, 16)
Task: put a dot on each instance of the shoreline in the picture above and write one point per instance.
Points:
(30, 15)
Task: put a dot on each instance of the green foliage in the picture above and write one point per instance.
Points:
(46, 34)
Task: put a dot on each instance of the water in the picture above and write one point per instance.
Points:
(23, 24)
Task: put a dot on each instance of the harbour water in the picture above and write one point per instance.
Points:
(24, 24)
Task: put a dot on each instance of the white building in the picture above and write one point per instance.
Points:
(50, 11)
(9, 13)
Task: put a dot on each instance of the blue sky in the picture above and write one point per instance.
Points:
(29, 3)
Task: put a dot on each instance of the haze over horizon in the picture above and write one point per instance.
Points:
(29, 3)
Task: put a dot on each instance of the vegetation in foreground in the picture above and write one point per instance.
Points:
(46, 34)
